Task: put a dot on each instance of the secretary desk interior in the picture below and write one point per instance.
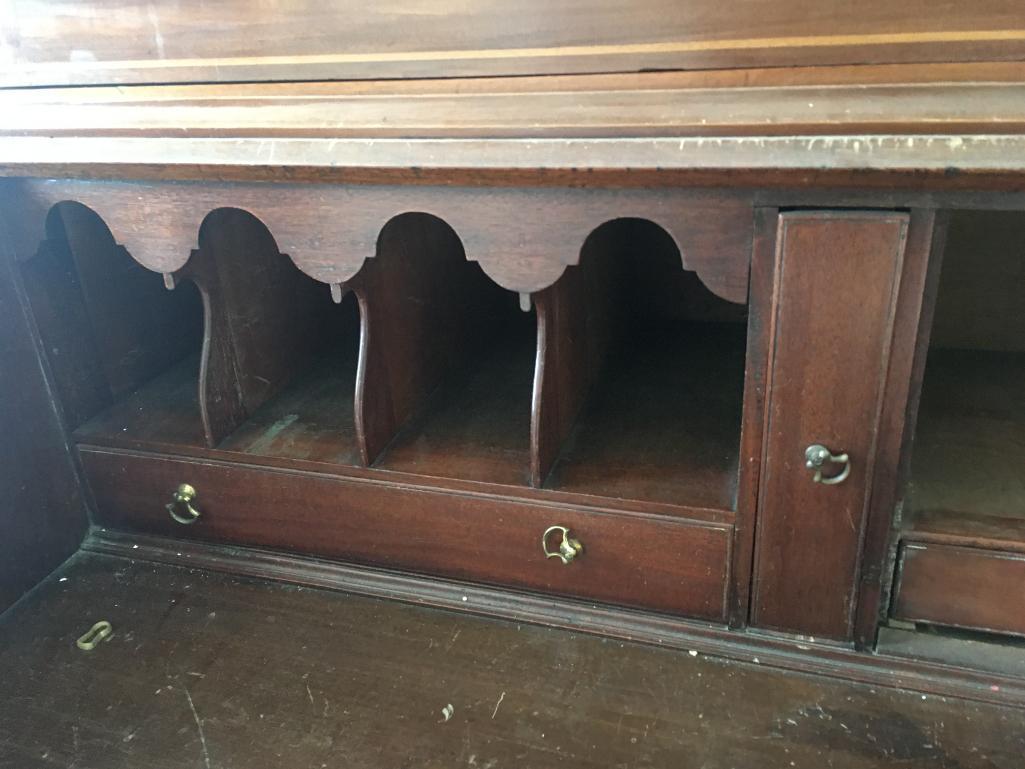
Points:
(694, 334)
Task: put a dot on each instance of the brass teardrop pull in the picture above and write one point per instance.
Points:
(568, 548)
(181, 508)
(817, 455)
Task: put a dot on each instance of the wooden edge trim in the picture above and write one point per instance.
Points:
(801, 655)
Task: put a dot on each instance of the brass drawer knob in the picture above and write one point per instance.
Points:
(181, 507)
(817, 455)
(568, 548)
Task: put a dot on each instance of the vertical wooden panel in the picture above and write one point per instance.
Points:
(578, 316)
(755, 376)
(264, 319)
(837, 275)
(912, 319)
(42, 514)
(426, 313)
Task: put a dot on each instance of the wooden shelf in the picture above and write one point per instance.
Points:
(969, 448)
(162, 412)
(664, 425)
(313, 419)
(476, 426)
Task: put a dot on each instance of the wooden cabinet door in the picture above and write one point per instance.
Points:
(837, 276)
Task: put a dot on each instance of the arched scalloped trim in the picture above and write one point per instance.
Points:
(522, 238)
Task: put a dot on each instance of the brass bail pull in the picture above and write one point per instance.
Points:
(92, 637)
(817, 455)
(181, 508)
(568, 547)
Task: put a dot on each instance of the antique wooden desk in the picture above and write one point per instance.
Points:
(626, 319)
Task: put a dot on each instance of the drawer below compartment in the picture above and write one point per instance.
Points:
(680, 567)
(965, 587)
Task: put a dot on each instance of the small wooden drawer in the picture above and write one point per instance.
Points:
(964, 587)
(669, 565)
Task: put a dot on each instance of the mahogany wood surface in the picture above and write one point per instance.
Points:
(274, 318)
(476, 425)
(837, 277)
(314, 416)
(663, 564)
(43, 516)
(963, 587)
(428, 314)
(198, 657)
(635, 401)
(579, 318)
(933, 674)
(819, 101)
(108, 325)
(132, 42)
(523, 238)
(756, 374)
(927, 234)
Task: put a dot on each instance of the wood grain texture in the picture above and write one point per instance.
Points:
(917, 101)
(365, 683)
(108, 325)
(640, 373)
(522, 238)
(756, 376)
(264, 319)
(479, 538)
(837, 276)
(925, 239)
(42, 515)
(580, 319)
(48, 44)
(961, 587)
(965, 529)
(428, 315)
(931, 676)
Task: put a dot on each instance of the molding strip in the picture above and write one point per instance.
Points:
(804, 655)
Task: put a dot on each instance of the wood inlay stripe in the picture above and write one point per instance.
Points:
(668, 47)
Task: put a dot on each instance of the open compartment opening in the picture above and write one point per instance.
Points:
(280, 374)
(968, 456)
(961, 555)
(646, 375)
(460, 352)
(124, 352)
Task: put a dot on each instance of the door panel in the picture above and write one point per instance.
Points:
(837, 276)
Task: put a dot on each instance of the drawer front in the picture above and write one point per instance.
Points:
(964, 587)
(673, 566)
(836, 280)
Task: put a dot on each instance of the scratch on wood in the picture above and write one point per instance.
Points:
(497, 704)
(199, 728)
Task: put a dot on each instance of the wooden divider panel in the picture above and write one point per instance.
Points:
(262, 319)
(578, 317)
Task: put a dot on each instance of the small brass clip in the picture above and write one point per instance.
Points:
(98, 632)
